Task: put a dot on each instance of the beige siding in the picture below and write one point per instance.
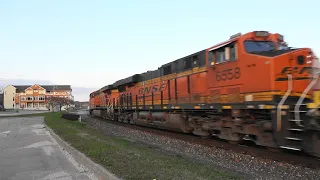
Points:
(29, 91)
(9, 94)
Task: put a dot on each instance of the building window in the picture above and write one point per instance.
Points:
(41, 98)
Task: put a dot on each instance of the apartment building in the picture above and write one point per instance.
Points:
(1, 98)
(34, 96)
(82, 105)
(9, 94)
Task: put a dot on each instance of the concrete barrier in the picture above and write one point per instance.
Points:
(71, 116)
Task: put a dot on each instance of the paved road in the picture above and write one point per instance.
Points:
(14, 113)
(28, 152)
(82, 112)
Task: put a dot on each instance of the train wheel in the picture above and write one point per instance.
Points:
(311, 143)
(131, 119)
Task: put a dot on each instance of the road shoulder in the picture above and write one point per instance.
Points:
(94, 170)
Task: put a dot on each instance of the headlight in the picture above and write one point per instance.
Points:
(300, 60)
(261, 33)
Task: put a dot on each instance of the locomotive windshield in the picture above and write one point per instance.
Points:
(282, 46)
(259, 46)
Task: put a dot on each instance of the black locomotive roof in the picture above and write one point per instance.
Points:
(128, 80)
(176, 66)
(106, 88)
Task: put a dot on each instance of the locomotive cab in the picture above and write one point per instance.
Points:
(261, 62)
(294, 82)
(281, 63)
(291, 70)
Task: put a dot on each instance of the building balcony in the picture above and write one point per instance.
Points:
(38, 101)
(33, 100)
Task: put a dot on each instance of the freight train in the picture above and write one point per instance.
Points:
(251, 87)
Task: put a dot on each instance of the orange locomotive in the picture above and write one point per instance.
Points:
(250, 87)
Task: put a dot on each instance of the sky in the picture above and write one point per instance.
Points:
(90, 44)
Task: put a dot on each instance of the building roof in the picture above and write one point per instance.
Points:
(56, 87)
(47, 87)
(20, 89)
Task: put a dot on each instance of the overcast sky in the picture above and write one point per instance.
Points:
(89, 44)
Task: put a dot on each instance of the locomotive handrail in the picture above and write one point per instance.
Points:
(109, 106)
(311, 111)
(302, 97)
(283, 99)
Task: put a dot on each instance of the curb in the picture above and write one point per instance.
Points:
(18, 114)
(99, 172)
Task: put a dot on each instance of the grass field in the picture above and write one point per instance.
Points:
(126, 159)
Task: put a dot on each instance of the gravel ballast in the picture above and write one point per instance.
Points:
(245, 165)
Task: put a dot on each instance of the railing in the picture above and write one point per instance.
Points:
(302, 97)
(283, 99)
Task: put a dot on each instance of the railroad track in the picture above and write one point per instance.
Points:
(284, 156)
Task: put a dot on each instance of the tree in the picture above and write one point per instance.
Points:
(69, 102)
(62, 101)
(51, 102)
(55, 101)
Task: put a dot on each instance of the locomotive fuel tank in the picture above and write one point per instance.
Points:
(96, 113)
(162, 120)
(142, 118)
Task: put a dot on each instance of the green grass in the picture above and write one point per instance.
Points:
(126, 159)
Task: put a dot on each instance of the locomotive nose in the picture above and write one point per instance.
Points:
(303, 57)
(299, 63)
(316, 72)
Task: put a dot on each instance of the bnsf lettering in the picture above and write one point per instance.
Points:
(155, 88)
(141, 91)
(297, 70)
(228, 74)
(300, 73)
